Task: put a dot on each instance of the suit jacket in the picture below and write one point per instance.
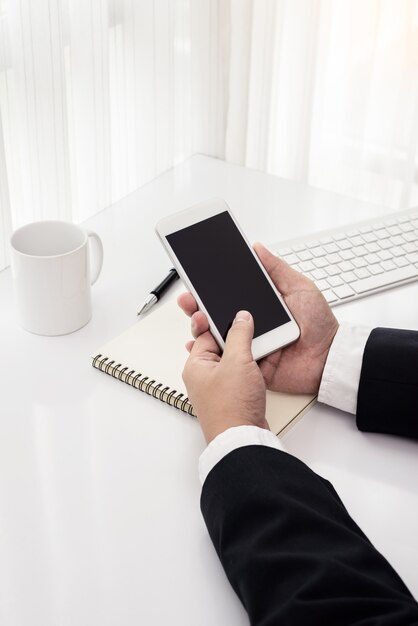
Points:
(288, 546)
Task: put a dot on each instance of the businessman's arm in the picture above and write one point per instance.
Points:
(286, 542)
(291, 551)
(387, 400)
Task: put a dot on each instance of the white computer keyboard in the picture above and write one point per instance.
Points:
(359, 259)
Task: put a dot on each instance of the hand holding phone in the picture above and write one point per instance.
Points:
(228, 391)
(298, 367)
(224, 274)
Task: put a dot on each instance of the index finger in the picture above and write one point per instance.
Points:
(187, 303)
(286, 279)
(205, 344)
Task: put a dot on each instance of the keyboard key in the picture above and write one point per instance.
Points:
(394, 230)
(407, 227)
(375, 269)
(329, 296)
(384, 255)
(371, 258)
(335, 281)
(396, 251)
(359, 251)
(344, 244)
(385, 243)
(397, 240)
(318, 251)
(318, 274)
(325, 240)
(322, 284)
(401, 261)
(409, 247)
(372, 247)
(365, 229)
(357, 241)
(344, 291)
(370, 237)
(412, 257)
(332, 270)
(346, 266)
(359, 262)
(291, 259)
(385, 279)
(321, 262)
(304, 255)
(331, 247)
(362, 272)
(312, 244)
(339, 236)
(347, 255)
(388, 265)
(409, 236)
(333, 258)
(348, 277)
(298, 247)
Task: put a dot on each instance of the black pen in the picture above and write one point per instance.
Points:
(156, 293)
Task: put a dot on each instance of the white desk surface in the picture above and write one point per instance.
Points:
(99, 494)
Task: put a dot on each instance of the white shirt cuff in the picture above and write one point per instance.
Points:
(341, 376)
(231, 439)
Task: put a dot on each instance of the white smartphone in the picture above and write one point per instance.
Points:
(224, 274)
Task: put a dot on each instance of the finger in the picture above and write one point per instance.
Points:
(187, 303)
(189, 345)
(205, 345)
(283, 276)
(240, 335)
(199, 324)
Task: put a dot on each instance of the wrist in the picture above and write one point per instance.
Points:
(214, 427)
(324, 357)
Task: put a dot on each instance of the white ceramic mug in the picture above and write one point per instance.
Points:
(51, 272)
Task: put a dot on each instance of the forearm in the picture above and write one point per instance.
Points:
(374, 374)
(387, 399)
(290, 549)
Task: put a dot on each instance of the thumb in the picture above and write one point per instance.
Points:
(240, 335)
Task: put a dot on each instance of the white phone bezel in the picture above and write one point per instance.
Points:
(263, 344)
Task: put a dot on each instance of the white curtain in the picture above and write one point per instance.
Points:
(97, 97)
(326, 92)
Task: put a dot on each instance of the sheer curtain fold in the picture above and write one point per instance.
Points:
(4, 204)
(331, 95)
(97, 97)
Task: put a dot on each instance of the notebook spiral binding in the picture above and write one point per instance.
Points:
(143, 383)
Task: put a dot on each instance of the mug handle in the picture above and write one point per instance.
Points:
(99, 255)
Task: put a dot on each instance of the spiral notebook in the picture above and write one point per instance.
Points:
(150, 356)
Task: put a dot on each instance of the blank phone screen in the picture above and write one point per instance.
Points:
(225, 274)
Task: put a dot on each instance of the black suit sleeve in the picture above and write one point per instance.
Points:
(387, 400)
(291, 551)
